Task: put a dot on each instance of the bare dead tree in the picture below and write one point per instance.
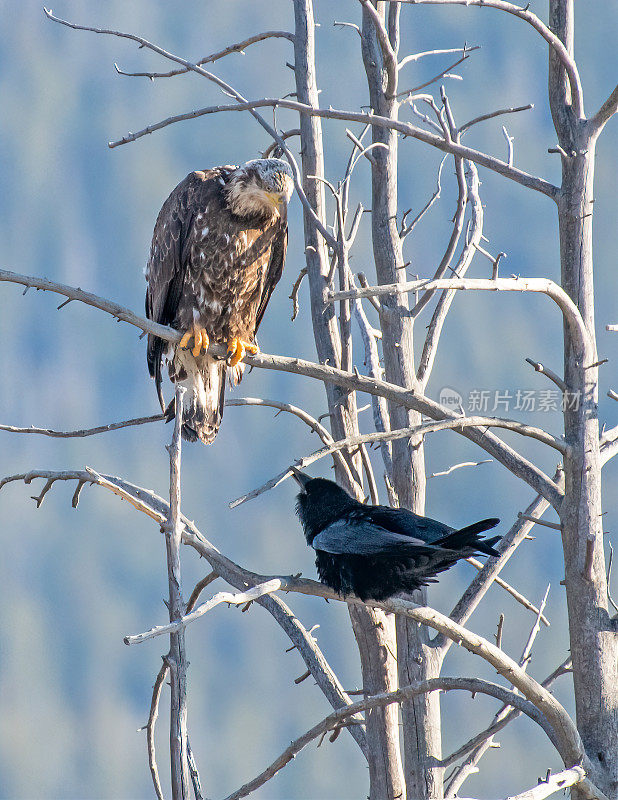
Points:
(402, 645)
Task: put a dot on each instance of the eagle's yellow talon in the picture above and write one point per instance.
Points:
(200, 340)
(237, 349)
(185, 338)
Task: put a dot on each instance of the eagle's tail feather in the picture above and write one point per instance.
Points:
(154, 355)
(204, 380)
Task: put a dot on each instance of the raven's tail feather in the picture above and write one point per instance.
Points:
(468, 537)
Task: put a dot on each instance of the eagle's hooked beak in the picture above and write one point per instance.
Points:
(274, 198)
(301, 478)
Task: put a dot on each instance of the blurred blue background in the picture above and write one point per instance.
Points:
(73, 582)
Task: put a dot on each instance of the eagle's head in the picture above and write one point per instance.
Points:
(261, 187)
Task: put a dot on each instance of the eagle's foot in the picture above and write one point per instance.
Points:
(237, 349)
(200, 340)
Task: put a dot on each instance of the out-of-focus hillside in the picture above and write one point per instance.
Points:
(73, 582)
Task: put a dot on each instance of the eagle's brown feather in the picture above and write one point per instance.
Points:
(212, 268)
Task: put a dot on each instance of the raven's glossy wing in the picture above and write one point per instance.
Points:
(406, 523)
(363, 538)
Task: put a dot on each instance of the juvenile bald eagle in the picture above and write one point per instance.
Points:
(217, 253)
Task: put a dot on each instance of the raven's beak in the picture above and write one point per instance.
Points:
(301, 478)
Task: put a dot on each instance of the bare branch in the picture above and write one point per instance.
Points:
(609, 445)
(221, 597)
(493, 566)
(569, 310)
(150, 729)
(457, 424)
(354, 27)
(501, 721)
(548, 372)
(604, 114)
(494, 164)
(551, 39)
(417, 56)
(525, 657)
(468, 182)
(553, 525)
(518, 596)
(492, 114)
(450, 131)
(334, 720)
(113, 426)
(407, 229)
(509, 146)
(315, 426)
(381, 418)
(195, 776)
(407, 94)
(295, 290)
(233, 48)
(285, 136)
(409, 399)
(199, 588)
(552, 784)
(459, 466)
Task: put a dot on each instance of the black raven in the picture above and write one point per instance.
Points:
(376, 551)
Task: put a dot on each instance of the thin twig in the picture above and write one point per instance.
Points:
(150, 729)
(417, 56)
(199, 588)
(221, 597)
(493, 114)
(544, 286)
(460, 423)
(553, 525)
(443, 74)
(233, 48)
(552, 40)
(314, 424)
(285, 135)
(294, 294)
(509, 145)
(113, 426)
(510, 590)
(459, 466)
(405, 230)
(547, 372)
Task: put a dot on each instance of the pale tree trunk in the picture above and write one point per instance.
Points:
(373, 631)
(594, 645)
(416, 659)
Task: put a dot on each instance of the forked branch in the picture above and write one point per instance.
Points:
(514, 461)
